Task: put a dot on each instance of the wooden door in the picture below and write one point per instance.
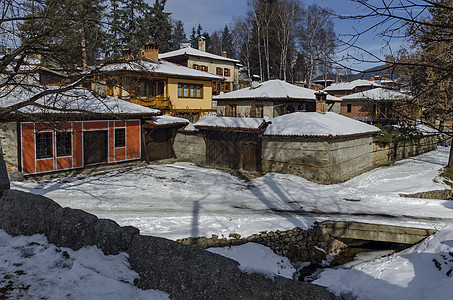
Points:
(158, 144)
(95, 147)
(250, 154)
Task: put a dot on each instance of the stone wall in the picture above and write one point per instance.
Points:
(296, 244)
(385, 154)
(8, 135)
(190, 146)
(325, 161)
(183, 272)
(320, 160)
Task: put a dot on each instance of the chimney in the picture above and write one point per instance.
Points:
(185, 43)
(224, 54)
(255, 81)
(151, 52)
(321, 98)
(127, 54)
(202, 43)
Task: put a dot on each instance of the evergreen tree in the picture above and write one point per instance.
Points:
(178, 34)
(207, 40)
(227, 42)
(160, 28)
(134, 34)
(199, 30)
(116, 30)
(216, 43)
(73, 31)
(194, 39)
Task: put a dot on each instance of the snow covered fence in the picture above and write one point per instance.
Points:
(183, 272)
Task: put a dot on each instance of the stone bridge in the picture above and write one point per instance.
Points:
(349, 232)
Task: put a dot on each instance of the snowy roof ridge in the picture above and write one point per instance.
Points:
(78, 100)
(248, 124)
(167, 120)
(376, 94)
(350, 85)
(274, 89)
(195, 52)
(314, 124)
(162, 67)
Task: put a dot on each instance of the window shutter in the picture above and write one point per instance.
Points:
(227, 110)
(253, 111)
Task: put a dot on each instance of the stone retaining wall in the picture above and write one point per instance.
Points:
(385, 154)
(310, 245)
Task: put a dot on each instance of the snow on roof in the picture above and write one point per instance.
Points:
(342, 86)
(163, 67)
(313, 124)
(190, 127)
(195, 52)
(77, 100)
(273, 89)
(168, 120)
(376, 94)
(230, 122)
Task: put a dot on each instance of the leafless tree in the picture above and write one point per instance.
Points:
(425, 68)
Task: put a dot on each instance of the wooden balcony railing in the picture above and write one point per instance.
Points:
(160, 102)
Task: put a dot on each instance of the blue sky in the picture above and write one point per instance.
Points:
(215, 14)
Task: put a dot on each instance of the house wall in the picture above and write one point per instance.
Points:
(323, 161)
(32, 165)
(243, 107)
(336, 107)
(190, 146)
(212, 65)
(8, 135)
(359, 109)
(205, 103)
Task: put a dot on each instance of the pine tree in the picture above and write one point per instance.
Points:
(69, 29)
(160, 29)
(207, 40)
(134, 34)
(194, 39)
(178, 34)
(227, 42)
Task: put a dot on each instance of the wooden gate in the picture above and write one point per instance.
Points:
(233, 150)
(159, 143)
(95, 147)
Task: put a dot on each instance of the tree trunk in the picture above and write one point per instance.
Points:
(84, 50)
(4, 180)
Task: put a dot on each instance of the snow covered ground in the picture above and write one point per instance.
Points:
(423, 271)
(31, 268)
(181, 200)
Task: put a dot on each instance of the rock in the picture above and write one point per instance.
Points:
(26, 214)
(72, 228)
(446, 194)
(4, 180)
(234, 236)
(191, 273)
(111, 238)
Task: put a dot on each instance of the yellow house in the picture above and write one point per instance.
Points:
(199, 59)
(175, 90)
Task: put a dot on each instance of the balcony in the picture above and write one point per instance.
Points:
(159, 102)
